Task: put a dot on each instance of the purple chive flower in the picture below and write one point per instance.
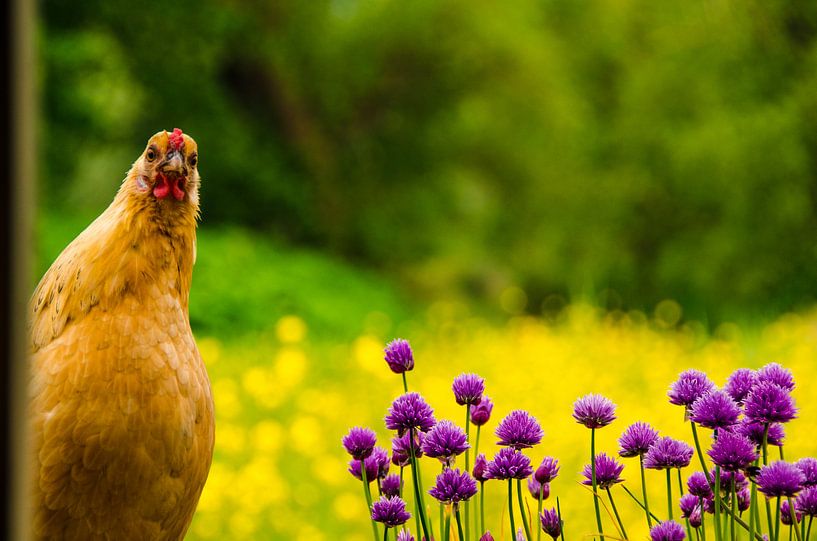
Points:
(547, 470)
(468, 389)
(551, 525)
(769, 403)
(774, 373)
(785, 513)
(400, 452)
(709, 505)
(739, 383)
(399, 356)
(377, 465)
(806, 501)
(714, 409)
(636, 439)
(445, 441)
(732, 451)
(688, 503)
(480, 470)
(744, 499)
(695, 519)
(486, 537)
(404, 535)
(594, 411)
(410, 411)
(481, 413)
(520, 535)
(536, 488)
(754, 431)
(359, 442)
(453, 486)
(780, 479)
(519, 429)
(668, 453)
(808, 466)
(509, 463)
(391, 485)
(698, 486)
(608, 471)
(391, 511)
(667, 531)
(689, 386)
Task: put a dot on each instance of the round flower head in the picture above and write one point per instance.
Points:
(780, 479)
(688, 503)
(480, 470)
(667, 531)
(636, 440)
(399, 356)
(744, 499)
(547, 470)
(769, 403)
(404, 535)
(608, 471)
(739, 384)
(486, 537)
(774, 373)
(754, 431)
(689, 386)
(377, 465)
(481, 413)
(785, 513)
(468, 389)
(445, 441)
(698, 486)
(519, 430)
(668, 453)
(391, 511)
(806, 501)
(732, 451)
(410, 411)
(808, 466)
(359, 442)
(714, 409)
(400, 451)
(453, 486)
(696, 519)
(391, 485)
(536, 488)
(509, 463)
(594, 411)
(551, 525)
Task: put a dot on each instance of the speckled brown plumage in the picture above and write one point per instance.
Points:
(120, 402)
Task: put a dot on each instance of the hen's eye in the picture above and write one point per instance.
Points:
(194, 159)
(151, 154)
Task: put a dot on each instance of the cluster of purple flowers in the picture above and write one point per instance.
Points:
(746, 417)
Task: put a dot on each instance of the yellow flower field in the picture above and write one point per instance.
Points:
(284, 399)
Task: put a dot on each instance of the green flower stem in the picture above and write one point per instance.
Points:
(777, 520)
(702, 529)
(765, 448)
(459, 524)
(615, 512)
(386, 534)
(753, 508)
(669, 493)
(808, 530)
(481, 486)
(405, 383)
(646, 505)
(367, 493)
(510, 507)
(725, 508)
(446, 533)
(420, 517)
(641, 505)
(538, 514)
(559, 514)
(700, 453)
(794, 520)
(717, 494)
(593, 481)
(482, 507)
(522, 509)
(442, 509)
(681, 491)
(467, 469)
(734, 506)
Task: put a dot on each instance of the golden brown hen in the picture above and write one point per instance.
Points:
(121, 407)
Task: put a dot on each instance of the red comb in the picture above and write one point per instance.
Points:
(176, 139)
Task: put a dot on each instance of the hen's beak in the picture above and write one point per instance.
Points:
(174, 163)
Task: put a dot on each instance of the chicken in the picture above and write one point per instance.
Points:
(120, 401)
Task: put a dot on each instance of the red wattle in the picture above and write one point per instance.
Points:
(162, 188)
(178, 192)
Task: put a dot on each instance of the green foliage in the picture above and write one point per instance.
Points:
(657, 149)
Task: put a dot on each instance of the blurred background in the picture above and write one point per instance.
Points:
(555, 194)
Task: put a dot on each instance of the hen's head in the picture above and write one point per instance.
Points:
(166, 171)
